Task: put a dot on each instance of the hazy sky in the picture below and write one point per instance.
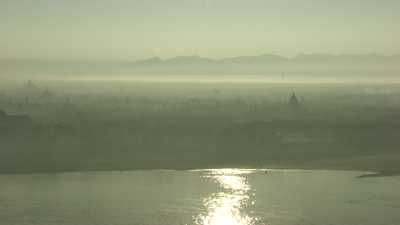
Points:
(132, 29)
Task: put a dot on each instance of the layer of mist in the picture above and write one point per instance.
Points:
(65, 125)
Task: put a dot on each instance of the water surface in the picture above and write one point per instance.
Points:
(201, 197)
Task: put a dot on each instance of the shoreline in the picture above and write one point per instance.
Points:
(366, 173)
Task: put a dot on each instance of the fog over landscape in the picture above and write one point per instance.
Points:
(191, 112)
(211, 112)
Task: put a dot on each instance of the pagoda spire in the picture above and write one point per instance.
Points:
(293, 101)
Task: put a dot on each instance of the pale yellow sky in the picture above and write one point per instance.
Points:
(123, 29)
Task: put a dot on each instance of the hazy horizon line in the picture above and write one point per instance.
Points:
(322, 54)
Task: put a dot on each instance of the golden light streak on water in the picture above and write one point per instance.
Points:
(227, 207)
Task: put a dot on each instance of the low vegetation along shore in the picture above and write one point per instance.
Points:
(55, 131)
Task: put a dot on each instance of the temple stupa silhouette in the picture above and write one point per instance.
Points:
(293, 101)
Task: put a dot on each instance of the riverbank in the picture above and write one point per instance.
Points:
(374, 166)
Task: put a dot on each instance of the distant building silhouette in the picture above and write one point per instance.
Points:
(3, 114)
(30, 85)
(46, 93)
(293, 101)
(13, 121)
(30, 89)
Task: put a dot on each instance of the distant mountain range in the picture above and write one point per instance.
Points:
(198, 59)
(259, 64)
(265, 58)
(266, 63)
(195, 59)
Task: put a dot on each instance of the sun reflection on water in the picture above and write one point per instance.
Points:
(227, 207)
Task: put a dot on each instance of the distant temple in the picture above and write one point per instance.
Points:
(3, 114)
(6, 119)
(293, 101)
(46, 93)
(31, 89)
(29, 85)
